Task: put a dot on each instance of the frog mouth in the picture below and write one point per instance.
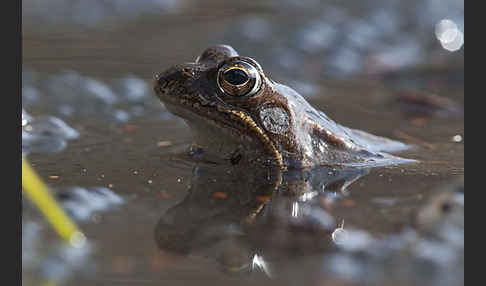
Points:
(198, 114)
(221, 120)
(186, 107)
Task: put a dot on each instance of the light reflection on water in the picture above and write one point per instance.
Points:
(449, 35)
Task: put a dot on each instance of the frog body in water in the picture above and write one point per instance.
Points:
(238, 114)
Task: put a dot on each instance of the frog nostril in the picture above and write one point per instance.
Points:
(160, 78)
(160, 82)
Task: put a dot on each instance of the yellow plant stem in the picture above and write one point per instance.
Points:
(38, 192)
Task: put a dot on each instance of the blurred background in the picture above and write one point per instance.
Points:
(95, 132)
(302, 41)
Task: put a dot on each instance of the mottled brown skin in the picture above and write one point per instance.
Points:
(256, 120)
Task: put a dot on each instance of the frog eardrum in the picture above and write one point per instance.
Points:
(238, 77)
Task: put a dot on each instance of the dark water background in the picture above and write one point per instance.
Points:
(91, 64)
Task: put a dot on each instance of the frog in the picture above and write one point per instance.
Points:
(239, 115)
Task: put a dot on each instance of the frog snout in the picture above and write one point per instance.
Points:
(161, 83)
(163, 78)
(179, 73)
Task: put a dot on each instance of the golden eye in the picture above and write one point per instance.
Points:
(239, 78)
(236, 76)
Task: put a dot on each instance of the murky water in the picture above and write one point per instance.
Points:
(117, 159)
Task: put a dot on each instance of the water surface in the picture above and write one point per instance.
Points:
(94, 71)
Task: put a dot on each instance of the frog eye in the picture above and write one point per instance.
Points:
(239, 78)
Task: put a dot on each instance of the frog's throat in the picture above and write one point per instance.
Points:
(237, 119)
(251, 126)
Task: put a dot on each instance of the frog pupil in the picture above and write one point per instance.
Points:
(235, 76)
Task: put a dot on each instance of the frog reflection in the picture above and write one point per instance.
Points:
(235, 217)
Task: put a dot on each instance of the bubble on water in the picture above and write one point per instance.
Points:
(77, 240)
(65, 84)
(339, 235)
(78, 95)
(456, 44)
(457, 138)
(345, 266)
(29, 95)
(63, 259)
(121, 115)
(275, 120)
(346, 61)
(362, 34)
(29, 77)
(53, 126)
(43, 145)
(139, 110)
(86, 94)
(453, 235)
(99, 90)
(352, 240)
(26, 118)
(435, 251)
(449, 35)
(66, 110)
(46, 134)
(81, 203)
(405, 53)
(317, 36)
(386, 21)
(133, 88)
(255, 28)
(30, 242)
